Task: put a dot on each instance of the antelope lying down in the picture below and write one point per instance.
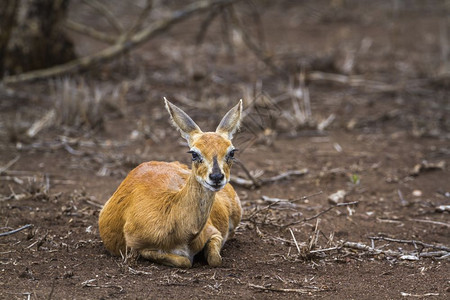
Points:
(168, 213)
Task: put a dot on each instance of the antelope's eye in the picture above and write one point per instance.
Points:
(195, 156)
(231, 154)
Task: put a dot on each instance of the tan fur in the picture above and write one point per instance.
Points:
(165, 213)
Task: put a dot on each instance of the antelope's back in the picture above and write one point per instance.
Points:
(144, 192)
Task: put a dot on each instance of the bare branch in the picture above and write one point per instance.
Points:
(257, 51)
(106, 12)
(91, 32)
(107, 38)
(140, 20)
(120, 48)
(205, 25)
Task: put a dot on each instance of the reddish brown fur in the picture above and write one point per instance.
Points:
(163, 212)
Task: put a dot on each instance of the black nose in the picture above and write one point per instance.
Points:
(216, 177)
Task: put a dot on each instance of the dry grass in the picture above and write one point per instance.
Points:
(79, 105)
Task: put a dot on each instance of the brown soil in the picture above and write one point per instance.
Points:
(370, 151)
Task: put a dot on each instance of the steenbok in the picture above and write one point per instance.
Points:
(168, 213)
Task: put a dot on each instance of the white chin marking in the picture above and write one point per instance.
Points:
(213, 188)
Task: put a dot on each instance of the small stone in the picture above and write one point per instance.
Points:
(442, 208)
(417, 193)
(337, 197)
(409, 257)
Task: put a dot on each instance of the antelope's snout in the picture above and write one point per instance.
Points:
(216, 176)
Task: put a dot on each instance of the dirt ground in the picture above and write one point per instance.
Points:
(388, 149)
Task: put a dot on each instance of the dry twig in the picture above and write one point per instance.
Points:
(295, 241)
(403, 255)
(257, 211)
(415, 243)
(89, 283)
(274, 289)
(419, 295)
(9, 164)
(16, 230)
(251, 183)
(432, 222)
(320, 213)
(89, 31)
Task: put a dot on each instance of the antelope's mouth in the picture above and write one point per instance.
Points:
(214, 187)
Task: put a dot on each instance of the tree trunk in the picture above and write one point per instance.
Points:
(36, 39)
(8, 10)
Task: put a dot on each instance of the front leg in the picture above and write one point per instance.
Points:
(209, 240)
(167, 259)
(212, 250)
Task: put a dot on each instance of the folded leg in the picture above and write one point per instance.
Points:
(167, 259)
(212, 250)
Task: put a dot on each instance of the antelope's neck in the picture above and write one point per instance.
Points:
(196, 203)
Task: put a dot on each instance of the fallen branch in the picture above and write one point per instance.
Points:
(366, 248)
(286, 175)
(411, 242)
(274, 289)
(89, 283)
(9, 164)
(119, 48)
(320, 213)
(400, 255)
(303, 198)
(93, 203)
(257, 211)
(279, 200)
(419, 295)
(247, 172)
(432, 222)
(16, 230)
(42, 123)
(258, 182)
(138, 272)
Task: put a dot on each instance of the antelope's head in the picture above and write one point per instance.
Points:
(212, 152)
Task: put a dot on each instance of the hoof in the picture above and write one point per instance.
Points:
(214, 260)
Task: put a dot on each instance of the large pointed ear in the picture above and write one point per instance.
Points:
(231, 121)
(182, 121)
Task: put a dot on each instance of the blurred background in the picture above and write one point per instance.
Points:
(339, 95)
